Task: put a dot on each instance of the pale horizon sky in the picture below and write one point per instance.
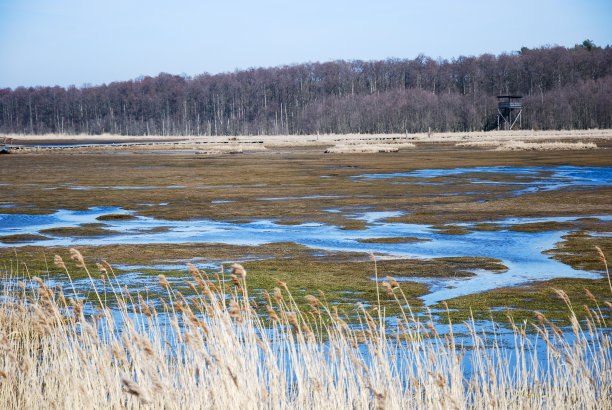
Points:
(94, 42)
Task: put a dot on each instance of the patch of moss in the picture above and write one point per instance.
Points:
(78, 231)
(353, 225)
(451, 229)
(94, 225)
(116, 217)
(589, 220)
(22, 237)
(487, 227)
(523, 301)
(578, 250)
(288, 222)
(541, 226)
(462, 265)
(156, 229)
(401, 239)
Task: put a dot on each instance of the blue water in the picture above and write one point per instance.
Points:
(532, 179)
(521, 252)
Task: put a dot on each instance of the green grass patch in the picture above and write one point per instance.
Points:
(542, 226)
(116, 217)
(353, 225)
(450, 229)
(78, 231)
(578, 250)
(288, 222)
(523, 301)
(401, 239)
(486, 227)
(156, 229)
(22, 237)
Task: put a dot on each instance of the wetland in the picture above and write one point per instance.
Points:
(474, 228)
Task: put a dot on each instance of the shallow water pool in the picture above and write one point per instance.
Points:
(521, 252)
(526, 179)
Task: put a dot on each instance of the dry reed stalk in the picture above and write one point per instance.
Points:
(163, 281)
(76, 256)
(195, 272)
(361, 147)
(238, 270)
(235, 280)
(513, 145)
(602, 258)
(173, 360)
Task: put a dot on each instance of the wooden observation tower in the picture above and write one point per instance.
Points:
(509, 109)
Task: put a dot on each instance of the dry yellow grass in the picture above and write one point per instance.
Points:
(212, 351)
(323, 138)
(530, 146)
(364, 147)
(337, 143)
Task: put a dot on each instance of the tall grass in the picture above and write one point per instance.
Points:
(213, 350)
(500, 145)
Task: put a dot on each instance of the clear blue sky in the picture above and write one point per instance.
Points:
(64, 42)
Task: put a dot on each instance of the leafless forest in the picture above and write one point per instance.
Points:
(563, 88)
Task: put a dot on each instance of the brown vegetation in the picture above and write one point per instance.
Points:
(214, 349)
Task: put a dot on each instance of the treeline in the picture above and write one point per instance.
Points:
(563, 88)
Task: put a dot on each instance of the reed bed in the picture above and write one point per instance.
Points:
(530, 146)
(367, 147)
(433, 136)
(215, 349)
(212, 148)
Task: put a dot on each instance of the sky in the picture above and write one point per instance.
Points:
(94, 42)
